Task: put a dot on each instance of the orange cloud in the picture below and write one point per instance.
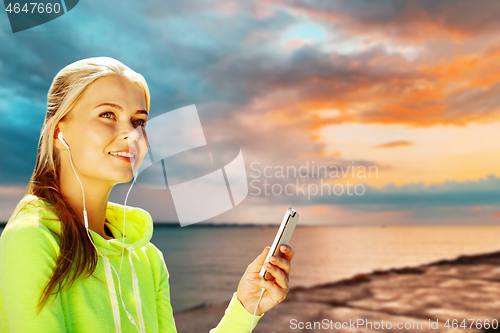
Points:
(455, 91)
(394, 144)
(473, 70)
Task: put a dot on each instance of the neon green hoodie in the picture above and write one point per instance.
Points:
(29, 247)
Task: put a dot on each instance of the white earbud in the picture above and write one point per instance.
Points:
(60, 137)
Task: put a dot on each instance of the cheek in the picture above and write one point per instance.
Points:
(95, 139)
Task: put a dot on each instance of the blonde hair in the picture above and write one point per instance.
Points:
(65, 91)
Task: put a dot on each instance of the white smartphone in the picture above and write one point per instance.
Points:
(282, 237)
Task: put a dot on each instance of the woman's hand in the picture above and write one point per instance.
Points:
(276, 288)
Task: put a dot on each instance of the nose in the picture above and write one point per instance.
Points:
(130, 133)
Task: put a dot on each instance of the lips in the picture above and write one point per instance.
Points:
(124, 155)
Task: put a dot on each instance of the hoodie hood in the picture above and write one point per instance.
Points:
(138, 224)
(138, 229)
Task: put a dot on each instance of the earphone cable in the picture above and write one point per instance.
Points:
(256, 307)
(83, 193)
(88, 234)
(124, 213)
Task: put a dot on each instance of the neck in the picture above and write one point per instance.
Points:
(96, 198)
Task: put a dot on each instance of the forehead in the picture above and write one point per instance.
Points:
(116, 90)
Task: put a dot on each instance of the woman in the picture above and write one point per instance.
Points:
(56, 263)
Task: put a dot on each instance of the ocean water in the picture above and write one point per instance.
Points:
(206, 263)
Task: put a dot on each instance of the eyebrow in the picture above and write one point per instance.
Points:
(116, 106)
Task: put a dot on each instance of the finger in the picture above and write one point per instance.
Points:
(280, 277)
(256, 265)
(276, 294)
(287, 251)
(282, 263)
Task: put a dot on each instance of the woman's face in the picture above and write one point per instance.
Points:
(106, 121)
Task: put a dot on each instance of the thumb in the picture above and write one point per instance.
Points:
(256, 265)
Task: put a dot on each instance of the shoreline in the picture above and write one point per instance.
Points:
(467, 287)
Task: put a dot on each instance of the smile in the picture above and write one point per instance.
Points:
(123, 154)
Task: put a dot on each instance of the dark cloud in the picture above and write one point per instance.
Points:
(483, 192)
(18, 156)
(408, 20)
(439, 200)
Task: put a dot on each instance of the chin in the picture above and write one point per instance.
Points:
(130, 178)
(124, 178)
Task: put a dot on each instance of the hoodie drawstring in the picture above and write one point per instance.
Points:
(137, 295)
(114, 299)
(112, 294)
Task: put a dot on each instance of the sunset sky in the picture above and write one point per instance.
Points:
(409, 88)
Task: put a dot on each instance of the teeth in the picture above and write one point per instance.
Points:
(122, 154)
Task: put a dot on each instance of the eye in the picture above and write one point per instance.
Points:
(139, 122)
(106, 114)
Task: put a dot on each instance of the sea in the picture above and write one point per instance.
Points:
(206, 263)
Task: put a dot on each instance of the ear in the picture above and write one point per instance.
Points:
(56, 142)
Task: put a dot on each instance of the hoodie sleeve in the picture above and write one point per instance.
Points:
(28, 253)
(236, 319)
(166, 322)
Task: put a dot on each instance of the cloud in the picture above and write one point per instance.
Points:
(408, 21)
(369, 86)
(394, 144)
(484, 192)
